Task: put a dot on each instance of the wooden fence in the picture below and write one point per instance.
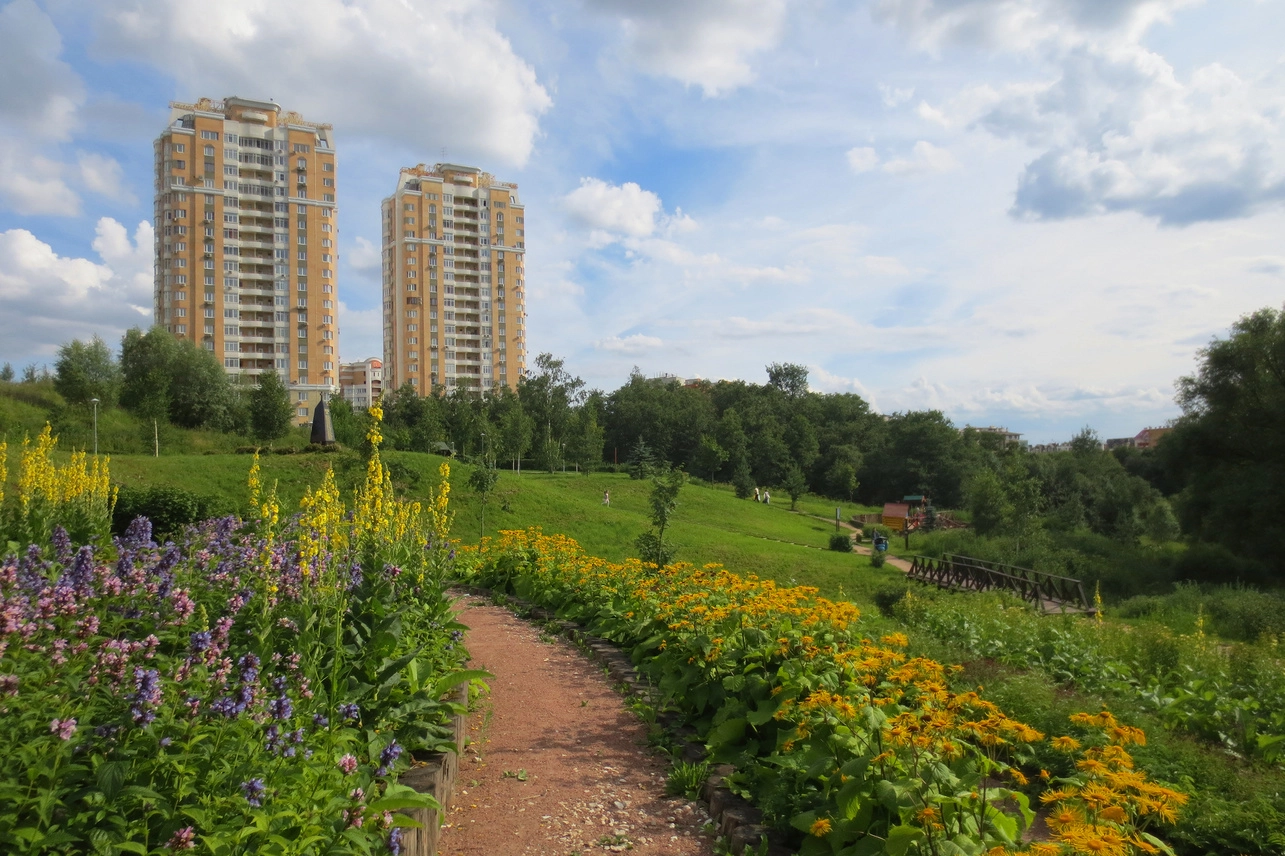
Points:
(1047, 592)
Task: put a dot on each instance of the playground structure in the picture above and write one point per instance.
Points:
(915, 513)
(1049, 593)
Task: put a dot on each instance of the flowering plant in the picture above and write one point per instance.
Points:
(859, 747)
(255, 688)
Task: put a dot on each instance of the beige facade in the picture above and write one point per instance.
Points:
(246, 242)
(361, 384)
(454, 283)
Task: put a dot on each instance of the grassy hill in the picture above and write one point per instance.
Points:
(711, 524)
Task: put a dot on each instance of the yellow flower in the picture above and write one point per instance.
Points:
(821, 827)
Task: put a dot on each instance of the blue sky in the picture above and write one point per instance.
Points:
(1022, 212)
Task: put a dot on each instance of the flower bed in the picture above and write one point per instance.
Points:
(857, 747)
(256, 688)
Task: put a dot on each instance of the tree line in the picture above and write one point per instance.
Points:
(1218, 478)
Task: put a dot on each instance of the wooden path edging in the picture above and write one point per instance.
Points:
(733, 816)
(437, 779)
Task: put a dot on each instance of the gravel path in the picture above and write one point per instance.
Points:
(557, 765)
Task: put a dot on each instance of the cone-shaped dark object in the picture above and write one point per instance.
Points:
(323, 432)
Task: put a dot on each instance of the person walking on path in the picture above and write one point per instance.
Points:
(606, 497)
(756, 493)
(767, 497)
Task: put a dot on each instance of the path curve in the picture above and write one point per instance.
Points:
(557, 765)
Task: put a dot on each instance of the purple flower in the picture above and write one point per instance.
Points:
(138, 534)
(64, 728)
(249, 665)
(348, 764)
(9, 685)
(182, 840)
(320, 721)
(388, 757)
(253, 791)
(147, 695)
(274, 741)
(62, 545)
(82, 571)
(349, 712)
(201, 640)
(395, 841)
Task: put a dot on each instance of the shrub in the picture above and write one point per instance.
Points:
(886, 599)
(877, 559)
(168, 508)
(841, 542)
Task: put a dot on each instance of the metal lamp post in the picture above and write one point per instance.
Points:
(94, 401)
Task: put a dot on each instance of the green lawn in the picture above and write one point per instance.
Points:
(710, 525)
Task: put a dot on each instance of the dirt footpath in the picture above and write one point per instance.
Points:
(557, 765)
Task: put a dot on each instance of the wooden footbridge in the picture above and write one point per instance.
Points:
(1046, 592)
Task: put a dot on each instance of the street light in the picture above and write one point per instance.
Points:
(94, 401)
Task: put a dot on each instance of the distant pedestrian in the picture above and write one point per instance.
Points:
(606, 497)
(767, 497)
(756, 493)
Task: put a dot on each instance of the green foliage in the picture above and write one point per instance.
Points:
(548, 394)
(166, 377)
(584, 439)
(686, 779)
(271, 413)
(795, 484)
(6, 373)
(743, 481)
(169, 509)
(641, 461)
(483, 479)
(87, 370)
(841, 542)
(1228, 450)
(653, 547)
(1231, 694)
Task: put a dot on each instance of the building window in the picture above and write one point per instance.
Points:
(209, 135)
(303, 411)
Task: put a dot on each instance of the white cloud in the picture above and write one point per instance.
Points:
(39, 105)
(362, 333)
(364, 255)
(41, 93)
(894, 96)
(1022, 25)
(104, 176)
(1117, 127)
(51, 299)
(886, 265)
(31, 183)
(924, 157)
(633, 346)
(862, 159)
(624, 209)
(705, 43)
(437, 76)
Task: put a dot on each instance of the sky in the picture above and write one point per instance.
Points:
(1028, 213)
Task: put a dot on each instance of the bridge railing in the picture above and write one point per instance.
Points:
(1047, 592)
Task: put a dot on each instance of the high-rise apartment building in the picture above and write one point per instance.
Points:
(454, 281)
(246, 242)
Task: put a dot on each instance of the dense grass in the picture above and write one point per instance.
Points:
(711, 524)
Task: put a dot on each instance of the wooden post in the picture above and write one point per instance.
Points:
(156, 440)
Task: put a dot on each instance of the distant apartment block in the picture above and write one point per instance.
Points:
(454, 286)
(1144, 439)
(246, 238)
(1009, 436)
(361, 383)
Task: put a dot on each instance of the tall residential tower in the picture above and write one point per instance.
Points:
(246, 237)
(454, 283)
